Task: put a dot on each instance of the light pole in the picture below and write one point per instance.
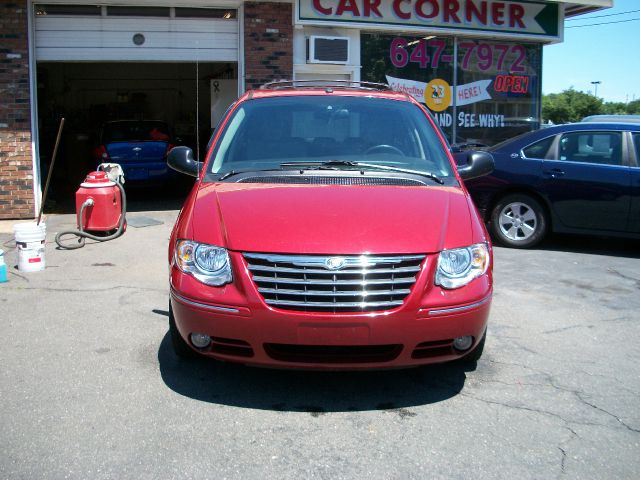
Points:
(596, 83)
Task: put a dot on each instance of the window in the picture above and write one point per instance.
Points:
(416, 58)
(497, 93)
(138, 11)
(205, 13)
(263, 133)
(42, 10)
(133, 131)
(538, 149)
(636, 142)
(592, 147)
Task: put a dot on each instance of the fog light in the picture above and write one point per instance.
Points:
(200, 340)
(463, 343)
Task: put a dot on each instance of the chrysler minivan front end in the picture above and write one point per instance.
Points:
(329, 228)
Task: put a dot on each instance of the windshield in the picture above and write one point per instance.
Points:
(270, 133)
(134, 131)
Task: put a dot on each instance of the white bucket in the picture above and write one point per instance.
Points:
(30, 244)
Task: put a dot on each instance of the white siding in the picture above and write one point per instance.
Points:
(73, 38)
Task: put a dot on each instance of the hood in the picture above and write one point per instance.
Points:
(332, 219)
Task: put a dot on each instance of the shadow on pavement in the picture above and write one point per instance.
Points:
(315, 392)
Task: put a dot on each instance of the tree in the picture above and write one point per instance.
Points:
(570, 106)
(615, 108)
(633, 108)
(556, 108)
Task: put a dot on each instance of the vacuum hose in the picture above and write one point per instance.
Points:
(82, 235)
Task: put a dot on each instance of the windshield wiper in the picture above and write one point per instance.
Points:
(335, 164)
(328, 165)
(231, 173)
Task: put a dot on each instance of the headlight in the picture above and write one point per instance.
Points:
(207, 263)
(457, 267)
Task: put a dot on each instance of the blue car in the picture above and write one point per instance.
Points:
(140, 147)
(581, 178)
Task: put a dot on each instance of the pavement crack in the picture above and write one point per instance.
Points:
(551, 380)
(563, 450)
(621, 384)
(619, 319)
(512, 341)
(22, 277)
(579, 395)
(563, 459)
(625, 277)
(628, 427)
(513, 384)
(570, 327)
(521, 365)
(535, 410)
(516, 407)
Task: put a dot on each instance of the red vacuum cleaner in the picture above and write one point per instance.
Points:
(101, 206)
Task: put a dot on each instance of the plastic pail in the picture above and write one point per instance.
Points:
(30, 244)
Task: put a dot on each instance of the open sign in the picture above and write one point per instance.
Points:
(511, 84)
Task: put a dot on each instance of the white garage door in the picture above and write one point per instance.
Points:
(122, 33)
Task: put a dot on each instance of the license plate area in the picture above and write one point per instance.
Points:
(343, 334)
(137, 174)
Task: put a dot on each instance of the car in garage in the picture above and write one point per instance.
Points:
(329, 229)
(140, 147)
(581, 178)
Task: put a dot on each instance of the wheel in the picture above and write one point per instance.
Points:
(518, 221)
(382, 148)
(180, 347)
(476, 353)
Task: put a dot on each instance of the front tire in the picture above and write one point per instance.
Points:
(180, 347)
(518, 221)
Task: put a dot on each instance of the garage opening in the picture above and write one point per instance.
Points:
(90, 96)
(172, 70)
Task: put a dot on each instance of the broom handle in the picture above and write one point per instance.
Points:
(53, 161)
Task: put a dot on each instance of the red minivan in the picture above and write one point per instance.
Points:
(329, 228)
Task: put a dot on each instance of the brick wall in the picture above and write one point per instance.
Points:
(16, 167)
(268, 42)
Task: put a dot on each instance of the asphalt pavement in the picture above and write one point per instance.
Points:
(90, 388)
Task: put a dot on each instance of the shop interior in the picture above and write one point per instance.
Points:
(89, 94)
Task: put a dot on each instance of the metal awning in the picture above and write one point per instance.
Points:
(573, 9)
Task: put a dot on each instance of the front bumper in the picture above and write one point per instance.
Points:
(245, 329)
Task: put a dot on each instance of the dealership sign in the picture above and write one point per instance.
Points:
(431, 92)
(534, 19)
(438, 96)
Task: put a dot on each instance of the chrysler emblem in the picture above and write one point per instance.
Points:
(334, 263)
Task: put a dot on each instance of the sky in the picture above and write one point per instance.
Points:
(606, 53)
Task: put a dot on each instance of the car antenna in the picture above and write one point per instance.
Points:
(198, 107)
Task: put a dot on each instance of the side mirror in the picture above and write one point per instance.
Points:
(476, 164)
(181, 160)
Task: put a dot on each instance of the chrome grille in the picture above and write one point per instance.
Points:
(333, 283)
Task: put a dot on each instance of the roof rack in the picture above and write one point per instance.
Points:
(291, 84)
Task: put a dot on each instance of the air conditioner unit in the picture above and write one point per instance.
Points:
(327, 49)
